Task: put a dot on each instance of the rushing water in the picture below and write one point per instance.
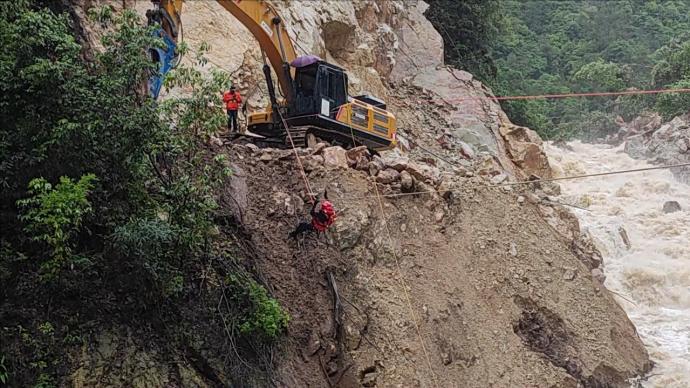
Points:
(653, 272)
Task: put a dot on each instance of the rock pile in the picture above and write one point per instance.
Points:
(397, 173)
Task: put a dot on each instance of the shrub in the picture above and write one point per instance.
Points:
(53, 215)
(260, 316)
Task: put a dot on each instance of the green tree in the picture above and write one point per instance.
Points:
(467, 28)
(53, 215)
(149, 226)
(600, 76)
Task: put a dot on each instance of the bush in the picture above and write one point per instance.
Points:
(260, 316)
(53, 215)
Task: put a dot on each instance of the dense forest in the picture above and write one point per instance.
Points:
(555, 47)
(109, 206)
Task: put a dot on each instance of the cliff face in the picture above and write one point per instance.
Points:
(390, 50)
(664, 144)
(473, 287)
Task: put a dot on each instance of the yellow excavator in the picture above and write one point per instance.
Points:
(315, 103)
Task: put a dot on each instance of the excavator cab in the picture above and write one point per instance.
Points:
(320, 88)
(321, 106)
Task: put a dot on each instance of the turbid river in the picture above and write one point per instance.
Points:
(653, 271)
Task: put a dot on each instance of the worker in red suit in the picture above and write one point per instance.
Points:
(232, 100)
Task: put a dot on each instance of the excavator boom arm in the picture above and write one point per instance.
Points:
(261, 19)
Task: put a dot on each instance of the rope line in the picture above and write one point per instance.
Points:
(403, 283)
(390, 240)
(394, 195)
(297, 158)
(564, 95)
(352, 132)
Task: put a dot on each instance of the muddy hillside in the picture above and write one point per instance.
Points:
(472, 287)
(435, 273)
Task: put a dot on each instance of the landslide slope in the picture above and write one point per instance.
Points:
(474, 290)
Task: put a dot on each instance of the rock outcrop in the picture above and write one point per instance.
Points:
(667, 144)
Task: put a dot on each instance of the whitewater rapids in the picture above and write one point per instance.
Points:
(653, 271)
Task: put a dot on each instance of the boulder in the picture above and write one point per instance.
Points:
(375, 165)
(311, 163)
(319, 147)
(293, 205)
(525, 150)
(671, 207)
(423, 172)
(357, 152)
(466, 150)
(669, 144)
(349, 228)
(439, 215)
(358, 157)
(551, 188)
(406, 182)
(569, 274)
(335, 157)
(252, 147)
(216, 141)
(488, 165)
(445, 189)
(395, 161)
(513, 249)
(598, 275)
(498, 179)
(624, 236)
(403, 144)
(388, 176)
(584, 249)
(369, 379)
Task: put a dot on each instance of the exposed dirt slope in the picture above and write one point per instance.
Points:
(500, 298)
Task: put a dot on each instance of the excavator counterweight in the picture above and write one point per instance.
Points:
(317, 103)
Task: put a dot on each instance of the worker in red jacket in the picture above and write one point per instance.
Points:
(232, 100)
(321, 219)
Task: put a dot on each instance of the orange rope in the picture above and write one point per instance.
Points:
(299, 161)
(565, 95)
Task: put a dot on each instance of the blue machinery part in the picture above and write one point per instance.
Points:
(165, 58)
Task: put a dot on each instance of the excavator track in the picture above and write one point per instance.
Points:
(299, 136)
